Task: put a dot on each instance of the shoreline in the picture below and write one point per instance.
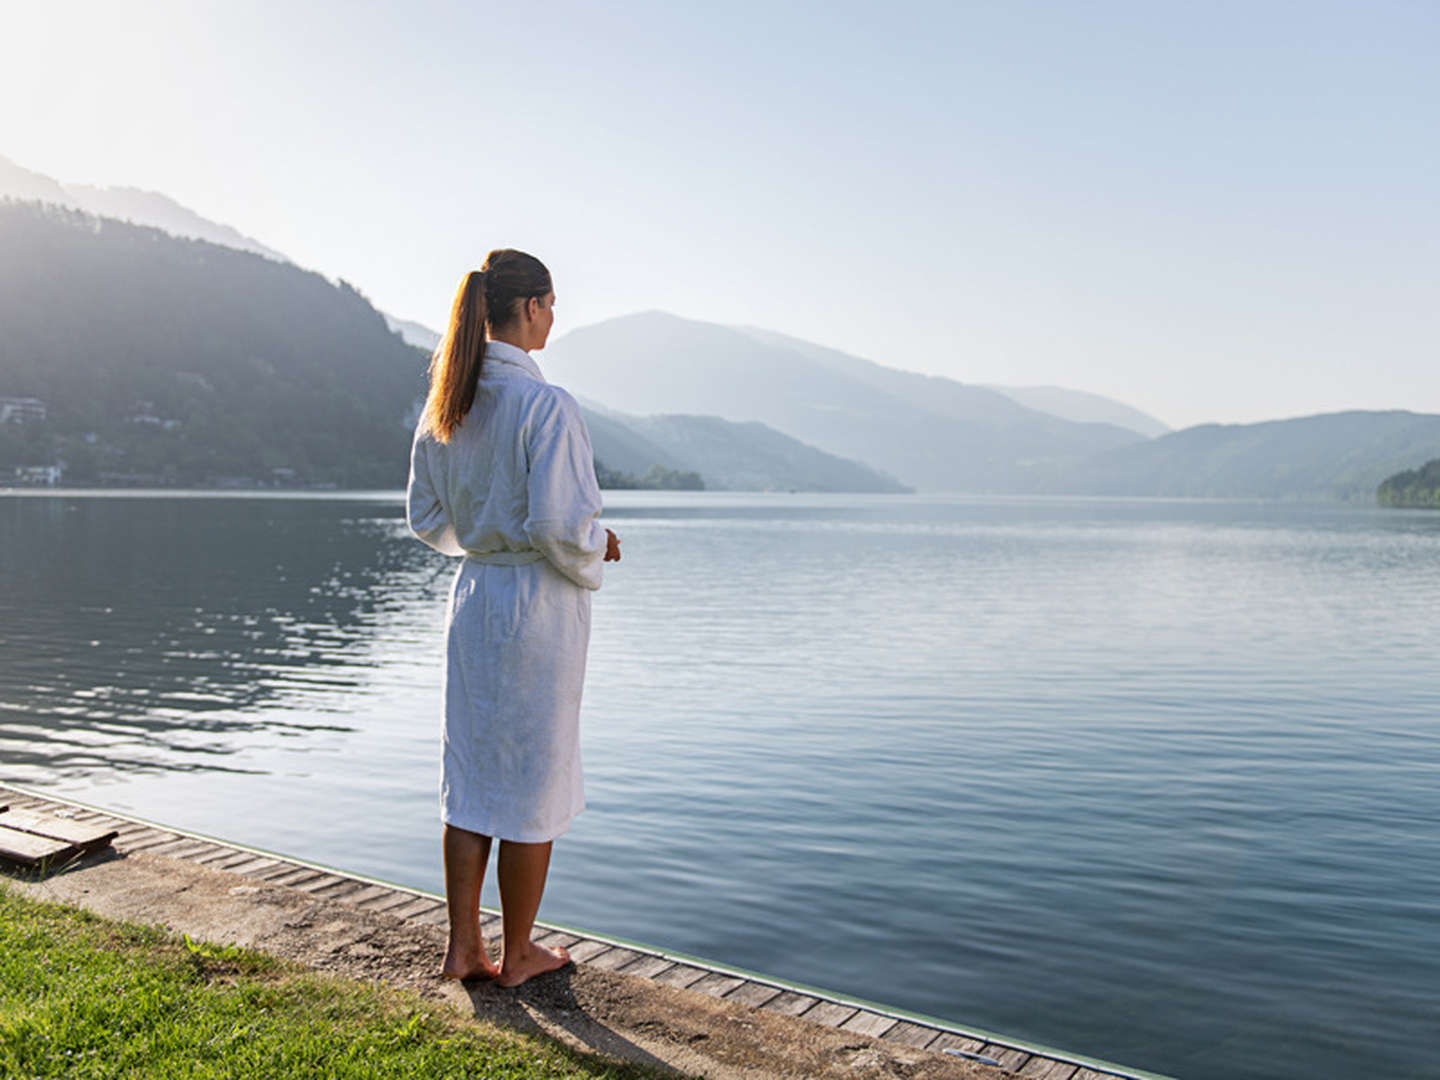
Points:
(811, 1016)
(708, 495)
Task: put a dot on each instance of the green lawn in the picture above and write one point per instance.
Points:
(82, 997)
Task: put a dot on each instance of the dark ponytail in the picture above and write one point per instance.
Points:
(485, 300)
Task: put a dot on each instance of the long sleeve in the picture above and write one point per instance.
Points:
(426, 515)
(564, 498)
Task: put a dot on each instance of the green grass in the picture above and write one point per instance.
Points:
(83, 997)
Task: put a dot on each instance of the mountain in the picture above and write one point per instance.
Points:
(728, 455)
(1332, 456)
(1084, 407)
(624, 449)
(154, 208)
(167, 360)
(143, 358)
(414, 333)
(929, 432)
(126, 204)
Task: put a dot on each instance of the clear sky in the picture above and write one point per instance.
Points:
(1212, 210)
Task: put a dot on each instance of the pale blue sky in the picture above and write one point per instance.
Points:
(1215, 211)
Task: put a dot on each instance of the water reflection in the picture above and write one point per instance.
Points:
(149, 634)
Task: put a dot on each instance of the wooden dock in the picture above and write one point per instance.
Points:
(56, 829)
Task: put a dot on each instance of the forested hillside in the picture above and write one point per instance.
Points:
(1413, 487)
(1333, 456)
(166, 360)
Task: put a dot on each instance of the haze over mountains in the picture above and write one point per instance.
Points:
(1334, 456)
(745, 407)
(934, 434)
(198, 364)
(1084, 407)
(739, 456)
(125, 204)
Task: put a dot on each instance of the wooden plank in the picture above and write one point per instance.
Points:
(789, 1003)
(57, 828)
(178, 849)
(342, 888)
(1010, 1057)
(29, 849)
(436, 917)
(615, 959)
(149, 839)
(587, 950)
(557, 937)
(126, 833)
(396, 898)
(298, 876)
(948, 1040)
(1091, 1074)
(868, 1023)
(1043, 1068)
(365, 895)
(321, 882)
(753, 993)
(830, 1013)
(680, 975)
(252, 867)
(419, 906)
(908, 1033)
(207, 850)
(221, 853)
(647, 967)
(227, 861)
(716, 984)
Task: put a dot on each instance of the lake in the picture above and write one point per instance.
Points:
(1155, 781)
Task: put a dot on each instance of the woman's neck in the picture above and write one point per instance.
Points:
(511, 338)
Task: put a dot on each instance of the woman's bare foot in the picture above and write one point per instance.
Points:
(471, 963)
(536, 961)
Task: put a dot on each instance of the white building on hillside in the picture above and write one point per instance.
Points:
(38, 475)
(19, 410)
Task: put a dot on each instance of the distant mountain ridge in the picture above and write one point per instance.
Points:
(791, 414)
(414, 333)
(200, 364)
(1084, 407)
(729, 455)
(126, 204)
(160, 211)
(927, 432)
(1334, 456)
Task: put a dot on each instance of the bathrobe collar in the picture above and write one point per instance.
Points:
(506, 353)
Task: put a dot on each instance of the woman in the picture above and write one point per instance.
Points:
(501, 473)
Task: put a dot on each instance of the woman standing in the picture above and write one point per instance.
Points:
(501, 473)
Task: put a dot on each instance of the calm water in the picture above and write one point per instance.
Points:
(1154, 781)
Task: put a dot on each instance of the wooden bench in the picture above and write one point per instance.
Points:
(35, 839)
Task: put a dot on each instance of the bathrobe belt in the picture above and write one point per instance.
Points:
(505, 558)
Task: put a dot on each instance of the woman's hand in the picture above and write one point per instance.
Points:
(612, 547)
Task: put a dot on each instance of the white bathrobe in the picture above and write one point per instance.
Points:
(514, 492)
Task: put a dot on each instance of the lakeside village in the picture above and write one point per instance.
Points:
(26, 410)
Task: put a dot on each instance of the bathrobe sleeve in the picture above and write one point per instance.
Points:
(564, 509)
(427, 517)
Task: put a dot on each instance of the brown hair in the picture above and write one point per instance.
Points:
(486, 300)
